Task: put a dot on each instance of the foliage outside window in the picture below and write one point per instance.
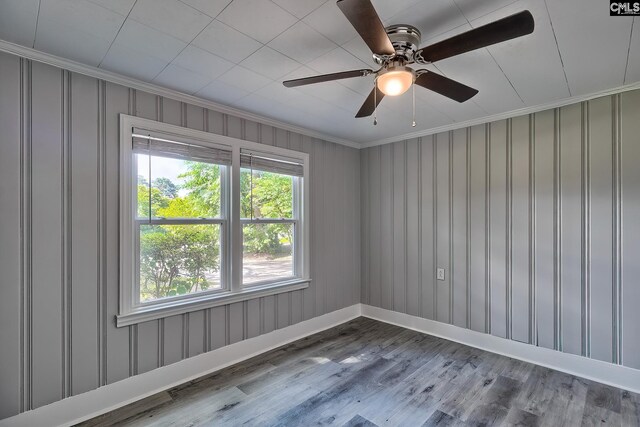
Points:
(268, 225)
(179, 226)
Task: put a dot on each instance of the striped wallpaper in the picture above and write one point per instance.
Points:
(59, 238)
(536, 220)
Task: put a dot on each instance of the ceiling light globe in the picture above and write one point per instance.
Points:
(395, 81)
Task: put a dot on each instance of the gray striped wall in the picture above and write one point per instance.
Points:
(536, 220)
(59, 238)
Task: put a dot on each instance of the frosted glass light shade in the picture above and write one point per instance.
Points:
(395, 81)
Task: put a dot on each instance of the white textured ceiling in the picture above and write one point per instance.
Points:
(238, 52)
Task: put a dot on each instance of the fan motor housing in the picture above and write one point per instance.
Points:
(405, 40)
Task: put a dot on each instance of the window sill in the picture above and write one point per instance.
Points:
(144, 314)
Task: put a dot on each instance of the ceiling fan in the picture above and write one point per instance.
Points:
(396, 47)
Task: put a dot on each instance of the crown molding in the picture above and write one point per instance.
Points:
(501, 116)
(87, 70)
(116, 78)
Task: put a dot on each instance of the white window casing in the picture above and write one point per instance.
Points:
(138, 135)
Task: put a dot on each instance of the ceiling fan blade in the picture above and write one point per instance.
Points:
(365, 20)
(444, 86)
(368, 107)
(501, 30)
(326, 77)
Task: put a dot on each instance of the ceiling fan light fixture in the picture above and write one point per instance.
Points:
(395, 81)
(397, 46)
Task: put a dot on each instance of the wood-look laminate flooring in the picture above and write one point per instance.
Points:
(368, 373)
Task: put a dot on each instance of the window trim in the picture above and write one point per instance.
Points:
(222, 220)
(293, 220)
(130, 313)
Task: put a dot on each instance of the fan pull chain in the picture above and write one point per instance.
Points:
(375, 101)
(414, 104)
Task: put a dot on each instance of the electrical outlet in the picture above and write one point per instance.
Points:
(440, 274)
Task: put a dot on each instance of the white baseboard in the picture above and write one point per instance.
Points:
(596, 370)
(84, 406)
(87, 405)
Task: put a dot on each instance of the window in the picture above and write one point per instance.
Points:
(270, 217)
(192, 239)
(179, 224)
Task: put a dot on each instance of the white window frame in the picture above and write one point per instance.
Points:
(222, 220)
(131, 311)
(295, 220)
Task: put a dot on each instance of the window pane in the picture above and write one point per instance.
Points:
(269, 195)
(179, 188)
(267, 252)
(178, 260)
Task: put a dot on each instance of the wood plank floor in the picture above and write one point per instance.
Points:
(368, 373)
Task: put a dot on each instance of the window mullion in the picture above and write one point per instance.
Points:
(225, 233)
(297, 267)
(136, 263)
(236, 225)
(181, 221)
(269, 221)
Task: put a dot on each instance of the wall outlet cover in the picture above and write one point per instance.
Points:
(440, 274)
